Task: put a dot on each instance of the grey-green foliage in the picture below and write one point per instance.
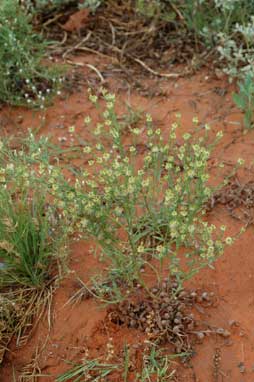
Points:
(51, 5)
(38, 5)
(92, 4)
(155, 9)
(226, 25)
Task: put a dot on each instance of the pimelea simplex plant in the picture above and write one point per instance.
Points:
(24, 79)
(143, 209)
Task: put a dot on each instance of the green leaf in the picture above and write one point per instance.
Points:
(239, 100)
(248, 117)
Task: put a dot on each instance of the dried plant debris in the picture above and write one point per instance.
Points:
(238, 198)
(119, 31)
(165, 314)
(20, 310)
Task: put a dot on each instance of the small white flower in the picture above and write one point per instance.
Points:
(241, 161)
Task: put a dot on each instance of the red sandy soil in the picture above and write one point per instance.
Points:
(75, 327)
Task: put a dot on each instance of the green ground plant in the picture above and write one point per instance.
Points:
(32, 236)
(244, 99)
(143, 209)
(25, 81)
(89, 370)
(156, 366)
(31, 233)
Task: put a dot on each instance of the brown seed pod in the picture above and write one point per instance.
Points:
(164, 323)
(190, 326)
(183, 294)
(181, 307)
(177, 329)
(179, 315)
(178, 347)
(133, 323)
(193, 295)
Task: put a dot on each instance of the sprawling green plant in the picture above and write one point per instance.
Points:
(146, 206)
(24, 80)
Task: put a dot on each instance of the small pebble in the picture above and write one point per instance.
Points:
(241, 367)
(164, 323)
(183, 294)
(20, 119)
(205, 296)
(222, 332)
(233, 323)
(200, 335)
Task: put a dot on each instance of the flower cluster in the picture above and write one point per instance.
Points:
(141, 205)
